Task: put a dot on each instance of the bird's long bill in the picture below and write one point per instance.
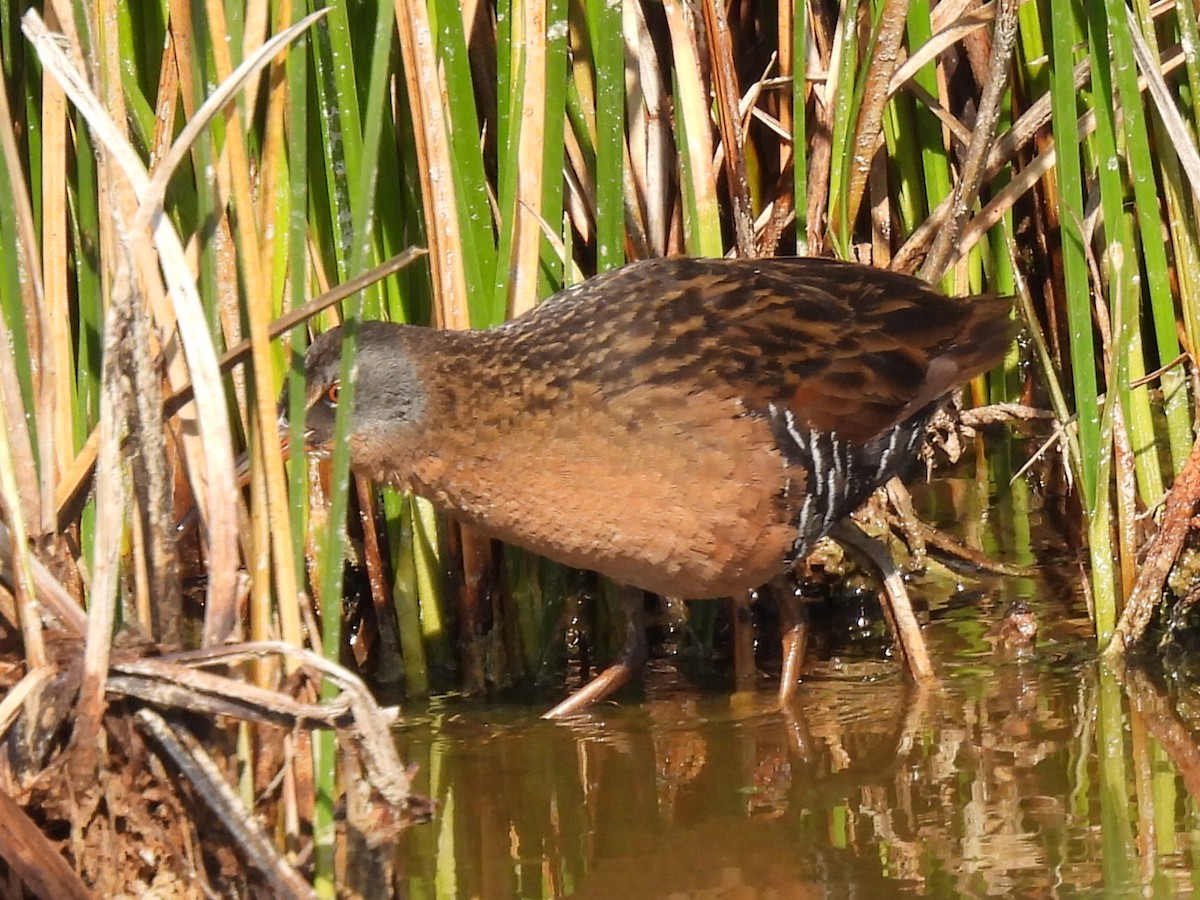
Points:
(242, 463)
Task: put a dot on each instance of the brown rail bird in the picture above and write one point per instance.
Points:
(689, 427)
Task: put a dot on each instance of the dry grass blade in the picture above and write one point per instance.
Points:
(945, 39)
(648, 185)
(389, 775)
(1003, 151)
(1004, 200)
(529, 58)
(820, 151)
(17, 547)
(111, 499)
(152, 196)
(692, 117)
(54, 400)
(214, 478)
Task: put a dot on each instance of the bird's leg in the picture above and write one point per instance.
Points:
(745, 671)
(793, 627)
(897, 605)
(630, 660)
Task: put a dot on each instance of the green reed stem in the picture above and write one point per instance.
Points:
(1119, 848)
(1065, 36)
(297, 139)
(937, 183)
(1121, 262)
(800, 122)
(608, 55)
(406, 593)
(1155, 266)
(476, 229)
(845, 114)
(363, 144)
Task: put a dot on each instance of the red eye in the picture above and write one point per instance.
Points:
(332, 392)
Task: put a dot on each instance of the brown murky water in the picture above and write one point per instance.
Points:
(1032, 776)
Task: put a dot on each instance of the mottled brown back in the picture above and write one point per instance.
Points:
(848, 349)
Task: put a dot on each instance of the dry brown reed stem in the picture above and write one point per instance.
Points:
(946, 246)
(729, 122)
(1162, 720)
(880, 209)
(529, 57)
(135, 202)
(792, 72)
(943, 40)
(649, 140)
(435, 162)
(211, 466)
(868, 130)
(111, 498)
(48, 322)
(55, 392)
(1160, 555)
(386, 630)
(158, 584)
(33, 859)
(693, 103)
(820, 151)
(370, 723)
(579, 195)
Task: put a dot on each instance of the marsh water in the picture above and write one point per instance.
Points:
(1035, 773)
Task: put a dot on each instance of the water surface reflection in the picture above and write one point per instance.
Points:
(1017, 776)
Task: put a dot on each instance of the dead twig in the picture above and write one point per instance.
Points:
(32, 858)
(1160, 556)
